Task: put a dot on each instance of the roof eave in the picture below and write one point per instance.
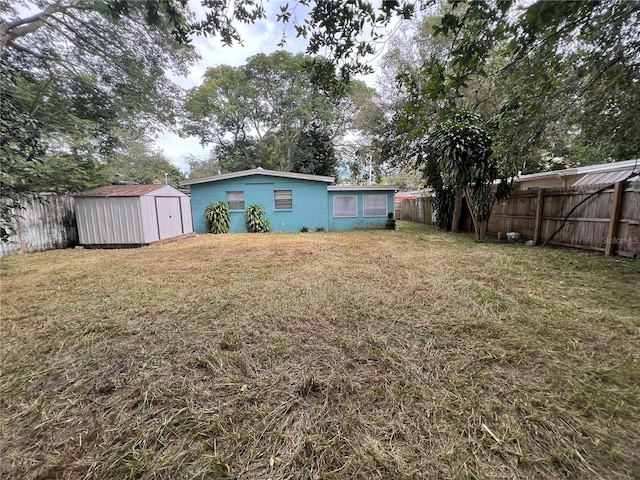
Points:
(259, 171)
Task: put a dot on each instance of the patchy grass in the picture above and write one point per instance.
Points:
(382, 354)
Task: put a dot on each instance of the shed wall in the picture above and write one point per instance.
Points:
(109, 221)
(185, 208)
(309, 202)
(149, 219)
(169, 217)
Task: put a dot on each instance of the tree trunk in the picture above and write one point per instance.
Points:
(457, 212)
(482, 230)
(469, 199)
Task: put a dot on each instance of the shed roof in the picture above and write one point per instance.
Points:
(260, 171)
(126, 191)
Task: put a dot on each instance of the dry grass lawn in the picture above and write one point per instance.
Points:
(408, 354)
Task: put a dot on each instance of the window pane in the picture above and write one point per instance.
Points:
(345, 206)
(375, 205)
(283, 198)
(235, 200)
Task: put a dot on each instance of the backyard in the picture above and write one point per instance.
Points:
(364, 354)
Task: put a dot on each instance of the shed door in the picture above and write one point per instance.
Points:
(169, 217)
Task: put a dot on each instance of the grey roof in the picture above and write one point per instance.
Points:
(627, 165)
(260, 171)
(607, 177)
(351, 188)
(122, 191)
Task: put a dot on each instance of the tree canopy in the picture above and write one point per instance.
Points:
(260, 107)
(269, 112)
(556, 79)
(75, 75)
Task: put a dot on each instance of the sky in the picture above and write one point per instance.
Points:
(261, 37)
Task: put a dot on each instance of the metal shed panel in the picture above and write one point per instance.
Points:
(167, 191)
(169, 217)
(109, 221)
(149, 218)
(187, 221)
(605, 178)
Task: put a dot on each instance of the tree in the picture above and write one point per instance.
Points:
(140, 163)
(74, 74)
(202, 168)
(20, 144)
(463, 152)
(255, 114)
(553, 69)
(314, 152)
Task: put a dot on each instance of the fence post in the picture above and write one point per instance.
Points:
(614, 219)
(539, 210)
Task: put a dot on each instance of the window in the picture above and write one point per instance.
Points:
(283, 199)
(235, 200)
(374, 206)
(345, 206)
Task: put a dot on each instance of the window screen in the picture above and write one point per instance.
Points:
(283, 198)
(375, 206)
(345, 206)
(235, 200)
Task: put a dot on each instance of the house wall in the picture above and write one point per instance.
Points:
(360, 221)
(309, 202)
(555, 181)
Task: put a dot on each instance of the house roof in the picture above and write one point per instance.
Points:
(260, 171)
(627, 166)
(124, 190)
(413, 193)
(607, 177)
(360, 188)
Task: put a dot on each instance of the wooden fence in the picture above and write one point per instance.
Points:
(414, 210)
(606, 221)
(42, 224)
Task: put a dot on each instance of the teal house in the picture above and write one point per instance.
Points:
(292, 201)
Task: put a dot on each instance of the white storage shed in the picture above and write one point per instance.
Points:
(132, 215)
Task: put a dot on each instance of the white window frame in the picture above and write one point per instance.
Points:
(289, 199)
(229, 200)
(364, 206)
(355, 212)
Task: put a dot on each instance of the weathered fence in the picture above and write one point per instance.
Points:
(43, 223)
(606, 221)
(414, 210)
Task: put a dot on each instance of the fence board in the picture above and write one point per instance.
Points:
(42, 224)
(588, 225)
(415, 210)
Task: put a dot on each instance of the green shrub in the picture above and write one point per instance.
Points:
(320, 229)
(304, 229)
(391, 222)
(254, 219)
(217, 217)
